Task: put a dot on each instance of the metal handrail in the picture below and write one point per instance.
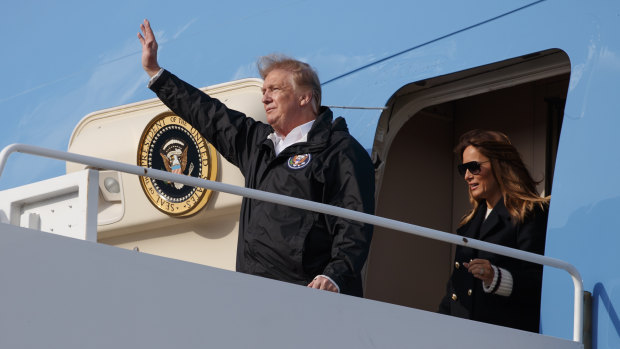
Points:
(316, 207)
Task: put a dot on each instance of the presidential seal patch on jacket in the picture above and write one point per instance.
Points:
(296, 162)
(169, 143)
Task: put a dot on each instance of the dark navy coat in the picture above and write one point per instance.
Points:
(276, 241)
(465, 297)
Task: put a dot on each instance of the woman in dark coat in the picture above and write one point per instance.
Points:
(506, 210)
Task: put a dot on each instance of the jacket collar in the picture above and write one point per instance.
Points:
(498, 218)
(479, 228)
(319, 134)
(324, 126)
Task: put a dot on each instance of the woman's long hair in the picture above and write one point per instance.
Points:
(515, 182)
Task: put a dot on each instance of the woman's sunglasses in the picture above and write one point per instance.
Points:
(472, 166)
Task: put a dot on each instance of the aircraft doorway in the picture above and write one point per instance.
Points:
(417, 181)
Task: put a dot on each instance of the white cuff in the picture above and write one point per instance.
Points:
(330, 279)
(505, 284)
(489, 289)
(154, 77)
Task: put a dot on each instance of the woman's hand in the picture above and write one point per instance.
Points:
(481, 269)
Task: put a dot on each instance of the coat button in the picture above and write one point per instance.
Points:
(457, 265)
(469, 292)
(454, 297)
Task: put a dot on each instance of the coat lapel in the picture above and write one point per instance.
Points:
(479, 228)
(498, 218)
(472, 228)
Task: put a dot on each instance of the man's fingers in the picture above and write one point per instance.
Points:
(146, 33)
(146, 28)
(321, 283)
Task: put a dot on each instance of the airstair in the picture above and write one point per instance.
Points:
(62, 289)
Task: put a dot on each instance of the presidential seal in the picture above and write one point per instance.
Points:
(299, 161)
(171, 144)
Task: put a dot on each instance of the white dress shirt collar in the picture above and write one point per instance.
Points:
(297, 135)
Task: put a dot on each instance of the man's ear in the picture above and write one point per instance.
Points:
(305, 98)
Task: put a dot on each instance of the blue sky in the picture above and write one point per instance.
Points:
(65, 59)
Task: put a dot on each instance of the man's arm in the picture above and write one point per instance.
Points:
(149, 49)
(230, 131)
(351, 185)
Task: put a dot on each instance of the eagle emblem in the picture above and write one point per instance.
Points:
(296, 162)
(174, 155)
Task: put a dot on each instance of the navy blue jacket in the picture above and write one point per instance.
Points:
(282, 242)
(522, 308)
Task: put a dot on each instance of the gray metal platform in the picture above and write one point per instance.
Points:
(59, 292)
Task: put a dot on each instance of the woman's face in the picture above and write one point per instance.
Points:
(482, 185)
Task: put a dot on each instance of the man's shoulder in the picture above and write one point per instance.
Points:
(346, 150)
(347, 141)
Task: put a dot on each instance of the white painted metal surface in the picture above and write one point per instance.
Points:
(318, 207)
(65, 205)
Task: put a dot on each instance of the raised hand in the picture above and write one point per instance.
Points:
(149, 48)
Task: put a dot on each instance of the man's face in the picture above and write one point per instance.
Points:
(281, 101)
